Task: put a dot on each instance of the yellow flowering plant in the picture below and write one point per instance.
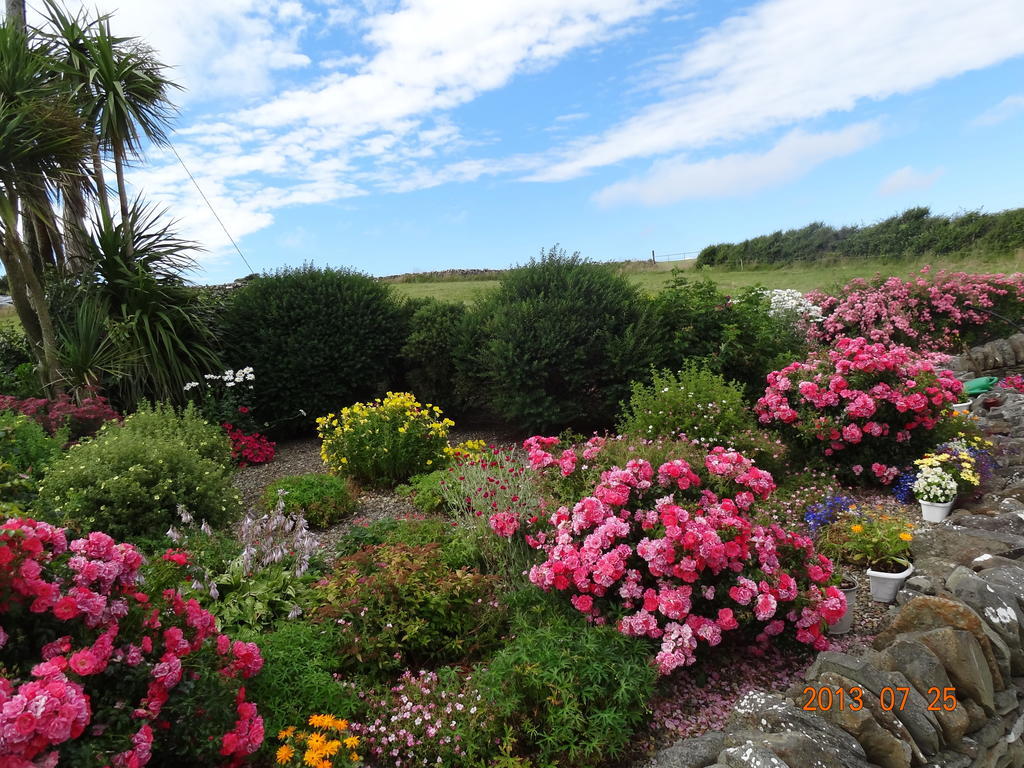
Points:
(328, 743)
(959, 458)
(868, 535)
(384, 442)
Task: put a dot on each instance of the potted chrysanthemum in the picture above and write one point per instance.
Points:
(882, 542)
(935, 490)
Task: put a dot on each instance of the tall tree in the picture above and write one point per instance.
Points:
(16, 14)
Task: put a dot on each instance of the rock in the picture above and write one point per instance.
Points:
(949, 760)
(935, 569)
(1000, 651)
(1007, 701)
(997, 606)
(795, 748)
(697, 752)
(914, 720)
(976, 716)
(1007, 574)
(960, 653)
(1007, 519)
(992, 756)
(774, 713)
(924, 670)
(961, 544)
(881, 747)
(922, 584)
(1016, 343)
(985, 562)
(749, 756)
(927, 612)
(904, 596)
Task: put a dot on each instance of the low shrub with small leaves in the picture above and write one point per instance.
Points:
(402, 606)
(129, 483)
(424, 490)
(25, 445)
(323, 500)
(187, 425)
(574, 693)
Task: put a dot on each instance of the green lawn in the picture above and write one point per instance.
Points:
(805, 277)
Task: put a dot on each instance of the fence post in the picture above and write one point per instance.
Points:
(652, 257)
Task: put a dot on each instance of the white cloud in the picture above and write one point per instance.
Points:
(216, 47)
(794, 155)
(1009, 107)
(906, 179)
(785, 61)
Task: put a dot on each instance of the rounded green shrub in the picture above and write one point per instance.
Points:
(128, 483)
(428, 353)
(25, 445)
(186, 425)
(316, 337)
(695, 401)
(322, 499)
(555, 345)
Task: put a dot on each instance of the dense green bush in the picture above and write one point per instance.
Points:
(299, 660)
(401, 606)
(695, 401)
(317, 337)
(25, 445)
(555, 344)
(17, 364)
(574, 693)
(187, 425)
(734, 335)
(322, 499)
(424, 490)
(128, 483)
(914, 232)
(428, 353)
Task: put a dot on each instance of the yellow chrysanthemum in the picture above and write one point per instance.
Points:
(352, 742)
(857, 528)
(286, 732)
(353, 757)
(906, 536)
(284, 754)
(320, 721)
(313, 757)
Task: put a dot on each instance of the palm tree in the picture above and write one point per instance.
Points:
(43, 143)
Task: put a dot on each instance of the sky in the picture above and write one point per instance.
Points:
(394, 136)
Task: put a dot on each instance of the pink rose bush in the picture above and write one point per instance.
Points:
(102, 691)
(936, 313)
(656, 551)
(867, 407)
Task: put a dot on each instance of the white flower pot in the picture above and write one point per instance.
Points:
(844, 625)
(935, 512)
(962, 407)
(884, 586)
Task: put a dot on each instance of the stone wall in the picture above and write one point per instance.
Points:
(959, 628)
(996, 358)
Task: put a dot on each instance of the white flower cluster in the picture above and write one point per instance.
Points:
(786, 300)
(230, 378)
(934, 486)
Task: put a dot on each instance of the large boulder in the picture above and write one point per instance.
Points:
(697, 752)
(960, 653)
(880, 745)
(997, 606)
(962, 544)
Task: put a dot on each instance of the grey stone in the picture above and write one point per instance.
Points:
(881, 747)
(1007, 701)
(990, 758)
(975, 715)
(1000, 651)
(697, 752)
(796, 748)
(1007, 518)
(984, 563)
(961, 544)
(949, 760)
(904, 596)
(921, 583)
(919, 723)
(925, 672)
(1000, 611)
(1013, 509)
(960, 653)
(1007, 574)
(1016, 343)
(749, 756)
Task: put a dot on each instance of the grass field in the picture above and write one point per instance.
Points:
(803, 277)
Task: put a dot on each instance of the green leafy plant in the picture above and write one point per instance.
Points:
(402, 606)
(695, 401)
(185, 425)
(129, 483)
(573, 693)
(322, 499)
(425, 490)
(555, 344)
(428, 353)
(25, 445)
(317, 337)
(868, 535)
(413, 531)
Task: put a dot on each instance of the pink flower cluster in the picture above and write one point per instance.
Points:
(859, 402)
(91, 589)
(931, 312)
(684, 564)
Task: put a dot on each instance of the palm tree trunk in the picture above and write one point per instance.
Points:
(122, 193)
(101, 182)
(74, 227)
(16, 13)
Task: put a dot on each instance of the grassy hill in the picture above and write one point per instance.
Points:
(455, 285)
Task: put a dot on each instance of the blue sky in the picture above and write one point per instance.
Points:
(393, 136)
